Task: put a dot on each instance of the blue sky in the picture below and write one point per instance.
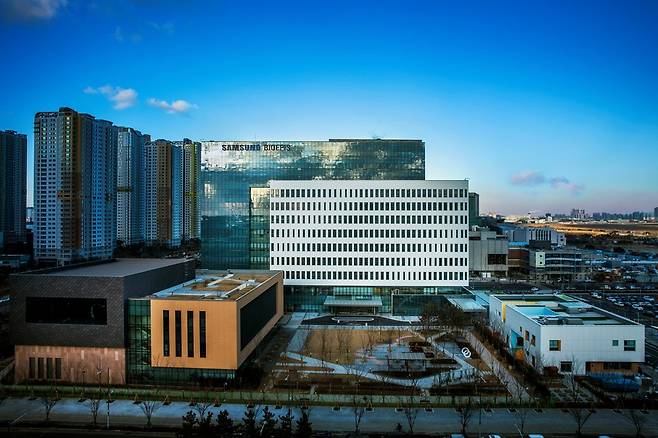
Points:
(544, 106)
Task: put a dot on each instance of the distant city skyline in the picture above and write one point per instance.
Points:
(541, 108)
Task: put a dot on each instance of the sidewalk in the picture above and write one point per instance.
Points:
(124, 413)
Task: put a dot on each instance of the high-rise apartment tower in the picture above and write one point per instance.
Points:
(13, 151)
(74, 187)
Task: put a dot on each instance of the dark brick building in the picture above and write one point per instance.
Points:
(69, 323)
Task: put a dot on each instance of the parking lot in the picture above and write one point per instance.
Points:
(641, 307)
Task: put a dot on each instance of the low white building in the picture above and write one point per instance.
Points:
(529, 234)
(563, 332)
(558, 264)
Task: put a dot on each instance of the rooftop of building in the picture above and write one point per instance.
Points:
(335, 140)
(561, 310)
(376, 139)
(387, 183)
(107, 268)
(217, 285)
(467, 304)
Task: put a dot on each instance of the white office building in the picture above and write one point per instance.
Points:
(567, 334)
(370, 233)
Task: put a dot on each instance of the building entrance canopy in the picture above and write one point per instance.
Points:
(356, 305)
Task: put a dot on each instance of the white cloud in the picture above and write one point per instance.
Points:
(166, 27)
(121, 98)
(120, 36)
(561, 182)
(528, 178)
(32, 9)
(179, 106)
(532, 178)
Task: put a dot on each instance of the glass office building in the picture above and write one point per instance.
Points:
(235, 175)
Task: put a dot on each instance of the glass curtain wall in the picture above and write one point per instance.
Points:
(230, 170)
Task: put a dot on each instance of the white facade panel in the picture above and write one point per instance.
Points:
(370, 233)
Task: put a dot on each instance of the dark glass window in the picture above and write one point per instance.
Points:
(165, 333)
(49, 368)
(41, 368)
(202, 334)
(58, 368)
(179, 340)
(47, 310)
(32, 368)
(190, 333)
(497, 259)
(256, 314)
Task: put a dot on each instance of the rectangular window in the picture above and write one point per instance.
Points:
(565, 367)
(41, 368)
(49, 368)
(629, 345)
(43, 310)
(165, 333)
(58, 368)
(202, 334)
(555, 345)
(615, 342)
(31, 374)
(178, 333)
(190, 333)
(255, 315)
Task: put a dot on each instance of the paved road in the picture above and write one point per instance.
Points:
(124, 413)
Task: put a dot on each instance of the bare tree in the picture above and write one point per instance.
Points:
(48, 401)
(373, 339)
(521, 409)
(576, 409)
(385, 376)
(636, 418)
(465, 411)
(343, 338)
(94, 403)
(359, 405)
(202, 406)
(411, 408)
(324, 344)
(628, 409)
(429, 318)
(389, 340)
(150, 407)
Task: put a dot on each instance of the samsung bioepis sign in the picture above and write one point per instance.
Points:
(257, 147)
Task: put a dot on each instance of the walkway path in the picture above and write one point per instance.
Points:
(513, 386)
(424, 383)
